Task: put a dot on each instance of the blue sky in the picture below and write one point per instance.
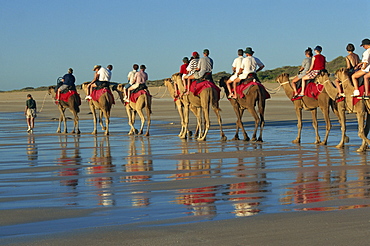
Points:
(40, 40)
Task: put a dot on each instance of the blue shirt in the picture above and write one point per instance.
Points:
(69, 79)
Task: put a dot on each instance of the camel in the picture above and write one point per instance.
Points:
(338, 106)
(310, 104)
(73, 105)
(144, 101)
(361, 108)
(104, 104)
(252, 97)
(182, 105)
(200, 104)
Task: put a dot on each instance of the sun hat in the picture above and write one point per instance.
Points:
(319, 48)
(249, 50)
(366, 41)
(96, 66)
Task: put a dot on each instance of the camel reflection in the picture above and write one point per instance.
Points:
(69, 160)
(32, 150)
(339, 181)
(139, 164)
(199, 200)
(248, 195)
(101, 170)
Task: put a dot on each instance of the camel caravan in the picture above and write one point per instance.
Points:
(193, 89)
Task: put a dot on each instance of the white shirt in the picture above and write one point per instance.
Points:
(250, 63)
(131, 76)
(366, 56)
(104, 74)
(237, 63)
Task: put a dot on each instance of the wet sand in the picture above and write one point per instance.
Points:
(292, 194)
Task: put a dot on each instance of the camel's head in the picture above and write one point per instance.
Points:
(51, 90)
(84, 86)
(176, 77)
(118, 87)
(167, 81)
(341, 74)
(282, 78)
(322, 77)
(222, 82)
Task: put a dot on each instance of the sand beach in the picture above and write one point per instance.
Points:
(64, 189)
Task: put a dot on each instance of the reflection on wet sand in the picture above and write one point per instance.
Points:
(32, 151)
(199, 200)
(100, 169)
(70, 163)
(332, 183)
(247, 196)
(139, 162)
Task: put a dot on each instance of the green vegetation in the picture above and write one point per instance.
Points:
(265, 76)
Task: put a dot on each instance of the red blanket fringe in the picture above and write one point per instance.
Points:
(96, 94)
(65, 96)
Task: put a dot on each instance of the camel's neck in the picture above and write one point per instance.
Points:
(170, 88)
(329, 87)
(288, 89)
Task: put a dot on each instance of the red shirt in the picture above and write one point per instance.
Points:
(319, 63)
(183, 68)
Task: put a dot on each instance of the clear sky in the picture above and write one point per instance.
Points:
(41, 39)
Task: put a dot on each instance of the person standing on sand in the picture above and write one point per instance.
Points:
(30, 112)
(364, 69)
(237, 64)
(306, 64)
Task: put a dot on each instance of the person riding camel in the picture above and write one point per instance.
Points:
(248, 67)
(191, 68)
(68, 82)
(204, 69)
(364, 67)
(318, 63)
(352, 60)
(140, 79)
(237, 63)
(306, 64)
(102, 75)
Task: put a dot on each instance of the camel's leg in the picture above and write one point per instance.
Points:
(101, 115)
(341, 114)
(363, 130)
(148, 121)
(315, 125)
(199, 122)
(239, 123)
(254, 114)
(181, 114)
(194, 111)
(262, 120)
(131, 119)
(298, 111)
(142, 120)
(106, 114)
(62, 118)
(76, 128)
(93, 111)
(205, 109)
(325, 112)
(217, 112)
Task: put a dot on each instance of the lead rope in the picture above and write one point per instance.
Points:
(43, 102)
(165, 91)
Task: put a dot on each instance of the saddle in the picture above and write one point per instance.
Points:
(139, 88)
(101, 85)
(69, 88)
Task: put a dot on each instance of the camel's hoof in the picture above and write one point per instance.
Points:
(340, 146)
(346, 139)
(146, 134)
(235, 138)
(323, 143)
(223, 138)
(259, 140)
(103, 128)
(190, 133)
(361, 150)
(136, 131)
(78, 132)
(201, 139)
(94, 132)
(247, 139)
(58, 131)
(296, 141)
(65, 132)
(106, 134)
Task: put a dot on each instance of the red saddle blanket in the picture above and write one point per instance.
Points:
(135, 96)
(96, 94)
(243, 86)
(65, 96)
(197, 88)
(312, 90)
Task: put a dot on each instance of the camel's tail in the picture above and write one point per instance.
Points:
(215, 98)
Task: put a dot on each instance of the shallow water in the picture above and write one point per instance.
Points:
(121, 179)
